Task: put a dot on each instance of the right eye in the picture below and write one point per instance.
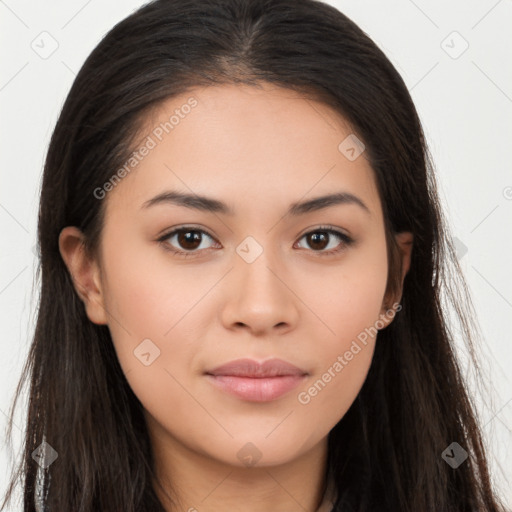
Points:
(188, 238)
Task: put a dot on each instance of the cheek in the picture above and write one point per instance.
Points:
(343, 361)
(149, 299)
(350, 306)
(152, 307)
(348, 297)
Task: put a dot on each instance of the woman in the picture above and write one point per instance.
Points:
(242, 260)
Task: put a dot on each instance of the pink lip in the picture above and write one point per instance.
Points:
(257, 382)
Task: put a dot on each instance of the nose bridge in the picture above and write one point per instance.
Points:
(256, 267)
(258, 295)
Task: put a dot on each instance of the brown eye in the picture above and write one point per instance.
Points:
(318, 240)
(187, 241)
(322, 238)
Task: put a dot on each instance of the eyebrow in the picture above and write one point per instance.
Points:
(211, 205)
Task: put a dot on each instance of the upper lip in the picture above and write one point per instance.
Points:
(251, 368)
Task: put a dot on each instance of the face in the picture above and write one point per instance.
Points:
(248, 274)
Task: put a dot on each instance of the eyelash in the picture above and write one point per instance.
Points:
(347, 241)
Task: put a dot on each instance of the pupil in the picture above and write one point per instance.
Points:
(185, 239)
(316, 237)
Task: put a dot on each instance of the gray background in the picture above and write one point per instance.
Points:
(456, 59)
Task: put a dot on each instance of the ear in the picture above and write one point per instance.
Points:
(84, 272)
(404, 242)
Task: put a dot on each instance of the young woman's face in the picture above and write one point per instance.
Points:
(245, 278)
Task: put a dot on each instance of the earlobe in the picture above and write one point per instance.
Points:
(84, 273)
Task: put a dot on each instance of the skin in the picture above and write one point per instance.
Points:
(258, 150)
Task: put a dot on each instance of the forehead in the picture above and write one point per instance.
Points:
(254, 146)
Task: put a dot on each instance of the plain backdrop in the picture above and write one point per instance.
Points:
(456, 59)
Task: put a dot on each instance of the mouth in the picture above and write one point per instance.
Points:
(256, 382)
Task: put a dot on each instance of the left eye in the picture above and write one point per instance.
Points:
(191, 239)
(320, 235)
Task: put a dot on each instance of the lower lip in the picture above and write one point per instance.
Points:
(256, 389)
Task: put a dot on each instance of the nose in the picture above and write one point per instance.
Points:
(260, 298)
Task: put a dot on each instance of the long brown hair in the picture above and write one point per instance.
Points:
(385, 453)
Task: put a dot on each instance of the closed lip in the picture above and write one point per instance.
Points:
(253, 369)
